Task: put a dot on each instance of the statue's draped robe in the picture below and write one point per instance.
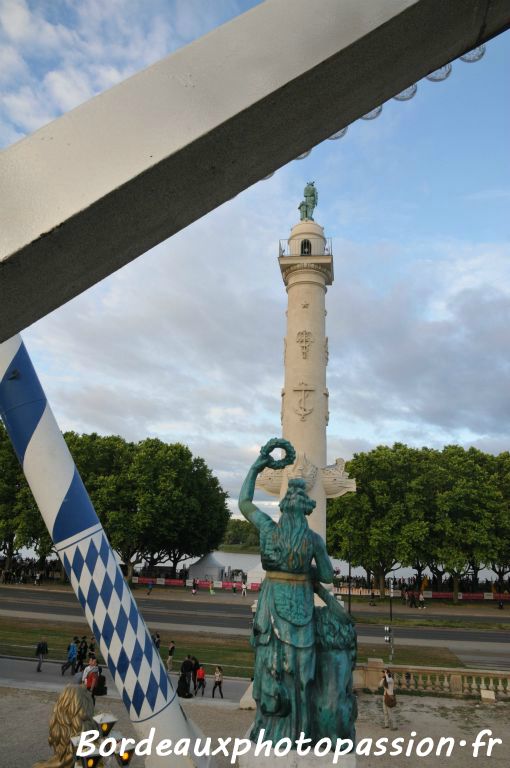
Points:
(283, 631)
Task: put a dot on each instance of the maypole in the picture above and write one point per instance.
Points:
(89, 560)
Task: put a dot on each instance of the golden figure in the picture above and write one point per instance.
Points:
(71, 715)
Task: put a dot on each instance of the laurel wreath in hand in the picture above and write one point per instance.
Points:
(278, 442)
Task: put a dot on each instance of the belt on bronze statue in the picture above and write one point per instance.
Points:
(284, 576)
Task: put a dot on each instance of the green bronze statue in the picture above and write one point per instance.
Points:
(310, 202)
(304, 656)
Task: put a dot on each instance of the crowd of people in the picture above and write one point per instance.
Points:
(28, 571)
(82, 662)
(81, 659)
(195, 587)
(192, 679)
(466, 584)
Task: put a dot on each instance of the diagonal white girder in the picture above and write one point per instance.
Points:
(105, 182)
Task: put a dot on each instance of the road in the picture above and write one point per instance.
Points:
(229, 614)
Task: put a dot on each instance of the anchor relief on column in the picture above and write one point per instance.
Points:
(303, 391)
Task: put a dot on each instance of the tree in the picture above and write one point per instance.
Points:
(182, 504)
(100, 461)
(11, 480)
(468, 502)
(384, 522)
(499, 559)
(31, 530)
(156, 501)
(113, 494)
(242, 533)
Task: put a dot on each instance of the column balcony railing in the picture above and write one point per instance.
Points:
(306, 246)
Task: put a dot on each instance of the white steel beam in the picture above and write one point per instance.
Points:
(105, 182)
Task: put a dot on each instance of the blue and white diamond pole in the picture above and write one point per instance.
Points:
(87, 556)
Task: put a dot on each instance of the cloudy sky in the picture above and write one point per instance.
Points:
(186, 344)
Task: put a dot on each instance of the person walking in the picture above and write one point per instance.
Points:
(200, 680)
(170, 659)
(211, 587)
(389, 700)
(90, 677)
(41, 651)
(218, 681)
(156, 639)
(150, 587)
(194, 671)
(412, 603)
(243, 588)
(82, 655)
(421, 601)
(187, 671)
(101, 688)
(72, 655)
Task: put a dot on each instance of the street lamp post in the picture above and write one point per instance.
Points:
(391, 620)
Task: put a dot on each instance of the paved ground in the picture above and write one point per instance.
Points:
(20, 673)
(24, 715)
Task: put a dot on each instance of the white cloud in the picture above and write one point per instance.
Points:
(30, 29)
(27, 109)
(12, 64)
(68, 88)
(15, 19)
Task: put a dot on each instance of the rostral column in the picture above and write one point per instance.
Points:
(306, 263)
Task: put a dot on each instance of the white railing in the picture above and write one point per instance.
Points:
(444, 680)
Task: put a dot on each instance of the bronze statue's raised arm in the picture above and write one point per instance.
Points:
(251, 512)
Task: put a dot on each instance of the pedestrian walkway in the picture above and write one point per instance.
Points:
(20, 673)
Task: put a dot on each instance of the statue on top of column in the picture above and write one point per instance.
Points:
(310, 202)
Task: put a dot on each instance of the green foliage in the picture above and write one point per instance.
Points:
(182, 504)
(499, 559)
(156, 501)
(11, 481)
(384, 521)
(468, 504)
(449, 509)
(241, 532)
(446, 509)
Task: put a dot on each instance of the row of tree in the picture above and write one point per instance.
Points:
(156, 501)
(446, 510)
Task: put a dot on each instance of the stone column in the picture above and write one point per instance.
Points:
(306, 264)
(306, 272)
